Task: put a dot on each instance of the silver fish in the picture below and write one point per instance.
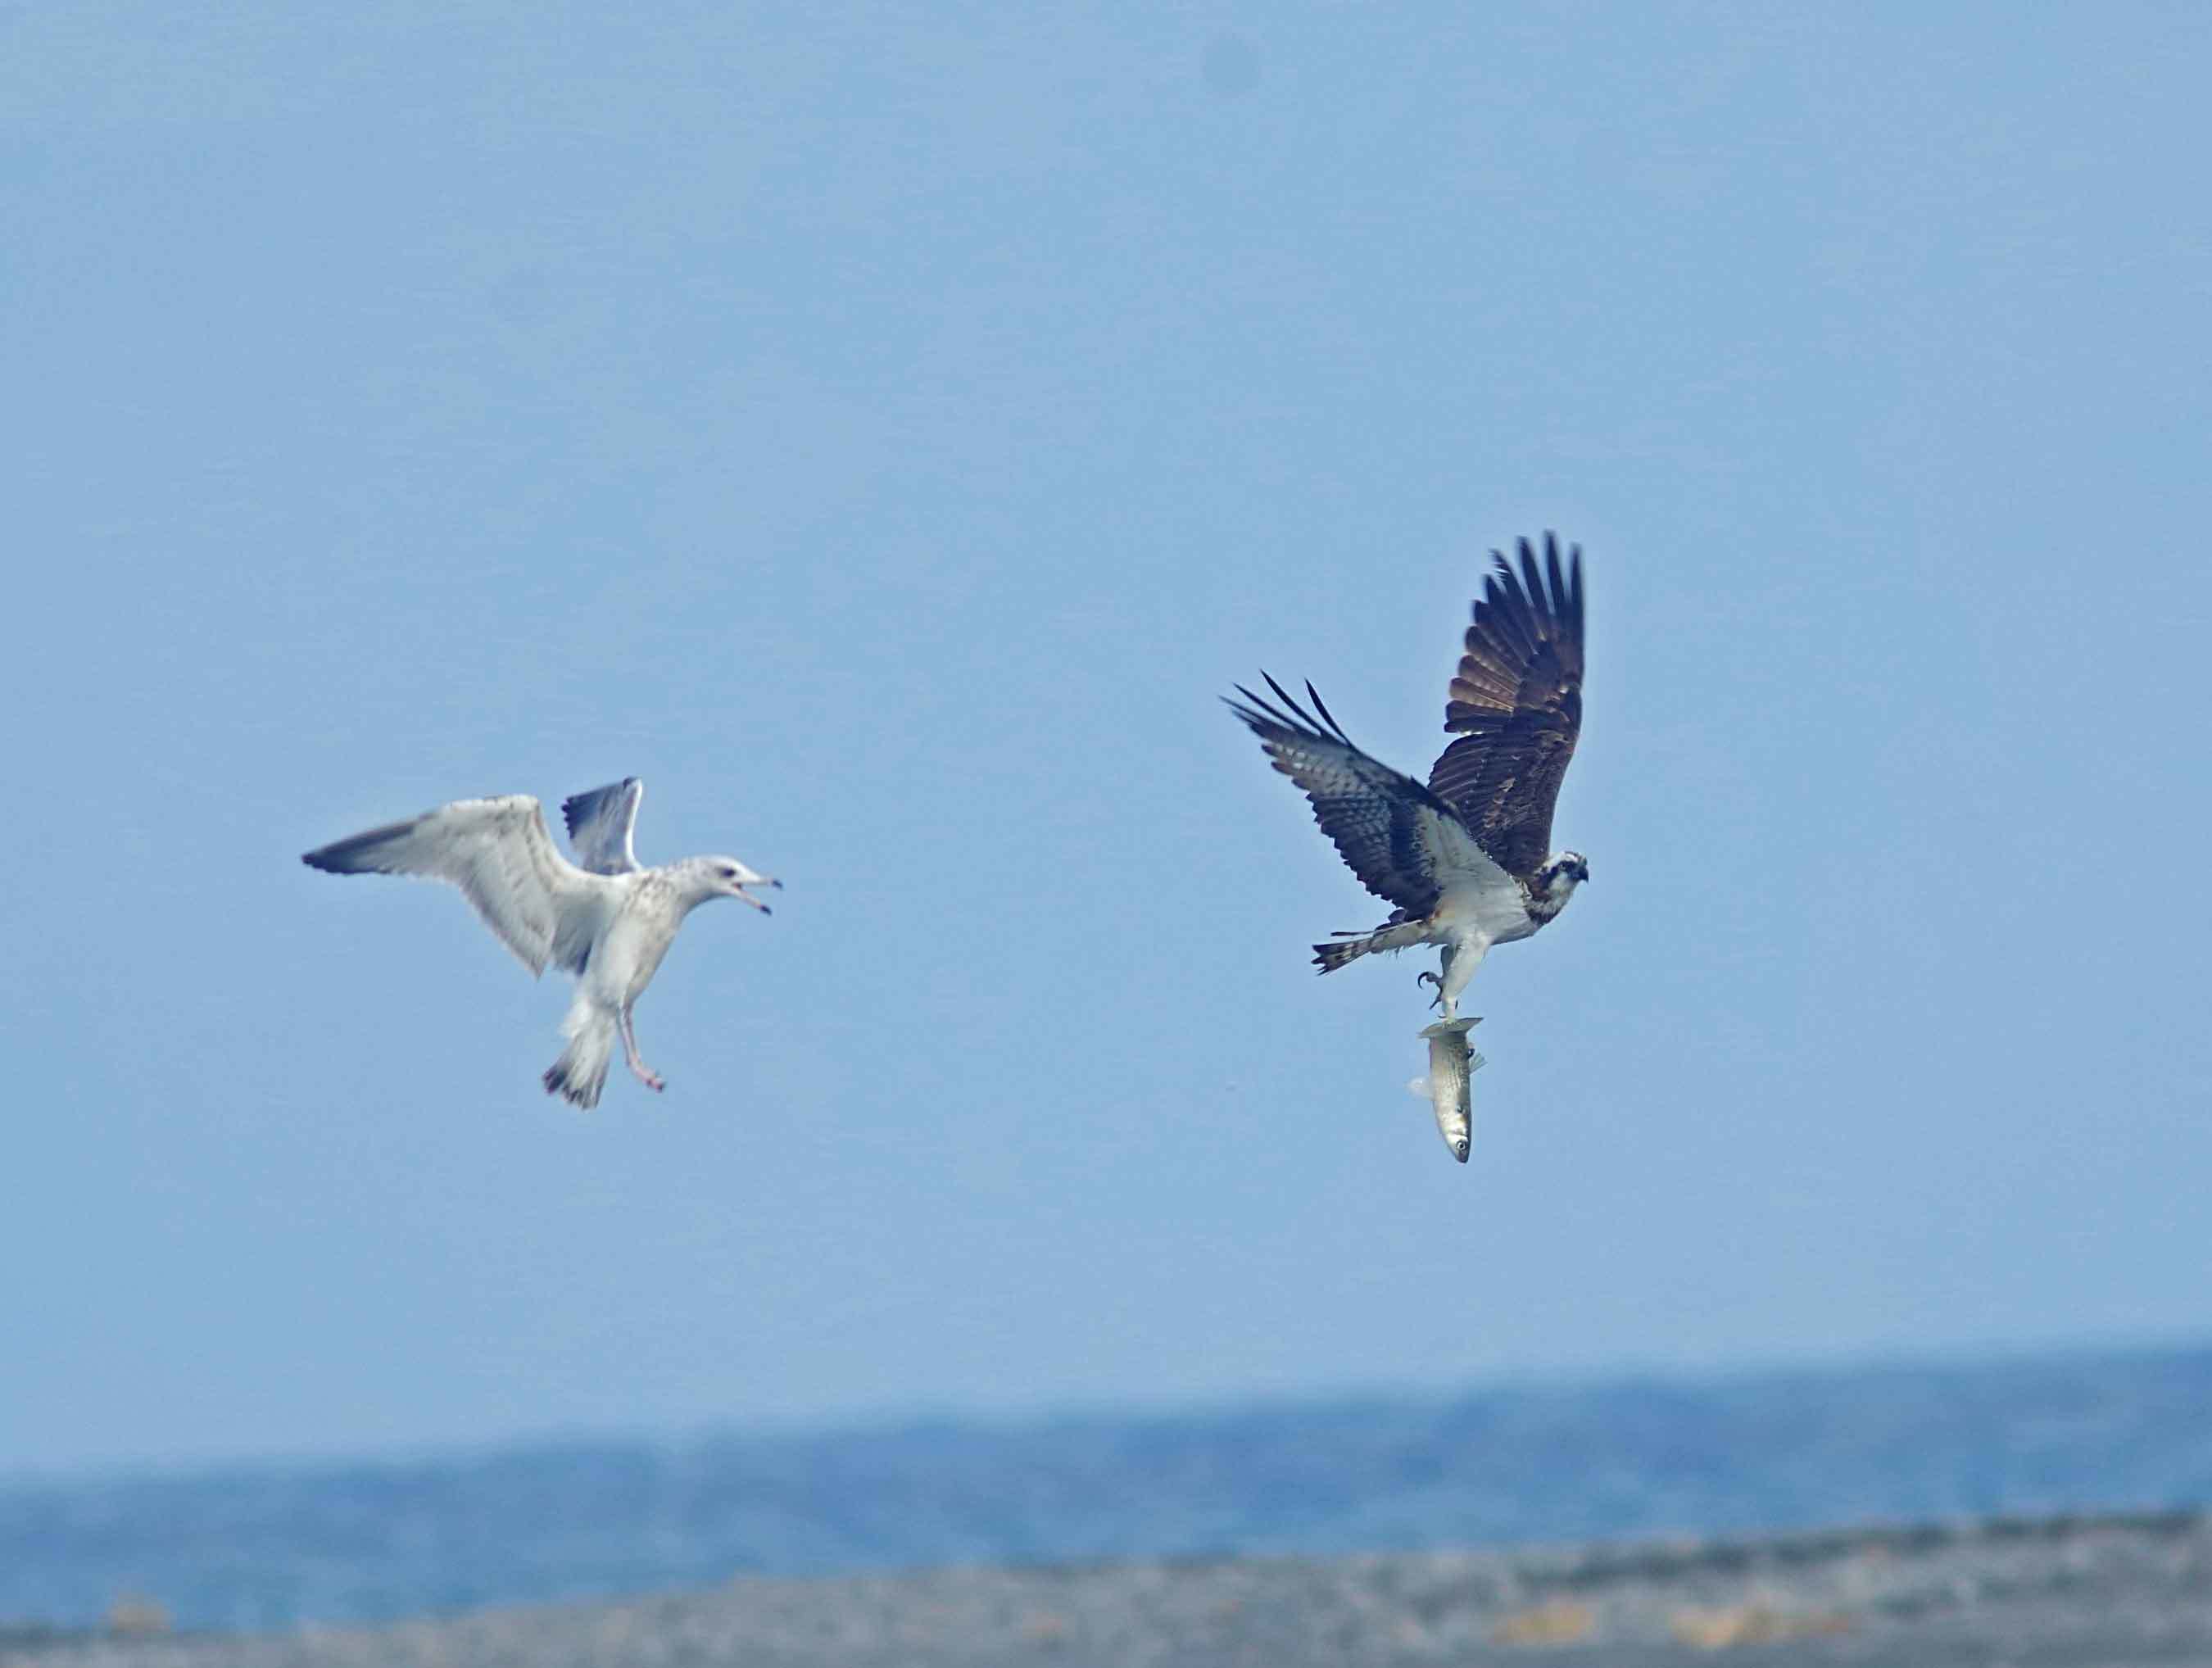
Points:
(1451, 1064)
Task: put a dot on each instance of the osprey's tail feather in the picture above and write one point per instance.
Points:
(581, 1071)
(1331, 956)
(1393, 935)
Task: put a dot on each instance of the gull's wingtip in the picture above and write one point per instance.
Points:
(323, 858)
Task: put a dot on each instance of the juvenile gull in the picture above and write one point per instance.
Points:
(608, 922)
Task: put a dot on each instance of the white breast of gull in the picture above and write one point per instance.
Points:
(606, 918)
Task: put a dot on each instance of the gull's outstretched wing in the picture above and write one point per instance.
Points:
(602, 825)
(1516, 701)
(1397, 836)
(497, 851)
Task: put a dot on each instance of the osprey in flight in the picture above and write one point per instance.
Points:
(1464, 858)
(609, 923)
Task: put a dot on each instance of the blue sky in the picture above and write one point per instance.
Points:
(886, 431)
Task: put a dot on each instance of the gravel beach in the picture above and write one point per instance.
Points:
(2068, 1592)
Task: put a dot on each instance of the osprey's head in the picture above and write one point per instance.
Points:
(725, 876)
(1556, 880)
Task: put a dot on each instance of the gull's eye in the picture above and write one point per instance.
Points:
(729, 874)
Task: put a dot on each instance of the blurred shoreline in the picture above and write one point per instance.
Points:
(2125, 1591)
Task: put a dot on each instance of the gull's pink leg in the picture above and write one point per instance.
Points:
(645, 1073)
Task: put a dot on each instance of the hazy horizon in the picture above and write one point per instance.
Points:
(985, 1416)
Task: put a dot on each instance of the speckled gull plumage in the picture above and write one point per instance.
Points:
(608, 922)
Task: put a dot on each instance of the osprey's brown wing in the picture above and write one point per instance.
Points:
(1517, 702)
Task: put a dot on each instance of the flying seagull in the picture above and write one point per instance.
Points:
(609, 923)
(1462, 858)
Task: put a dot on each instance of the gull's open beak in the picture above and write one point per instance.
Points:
(757, 880)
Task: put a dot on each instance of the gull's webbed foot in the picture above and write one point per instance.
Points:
(652, 1079)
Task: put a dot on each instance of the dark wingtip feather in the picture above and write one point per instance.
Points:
(1510, 616)
(1293, 717)
(1264, 714)
(580, 807)
(345, 856)
(1281, 694)
(1248, 710)
(1499, 586)
(1328, 717)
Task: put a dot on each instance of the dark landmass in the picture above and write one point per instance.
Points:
(2115, 1592)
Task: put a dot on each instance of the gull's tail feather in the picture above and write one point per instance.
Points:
(581, 1071)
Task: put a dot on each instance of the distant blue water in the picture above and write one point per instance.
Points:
(267, 1547)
